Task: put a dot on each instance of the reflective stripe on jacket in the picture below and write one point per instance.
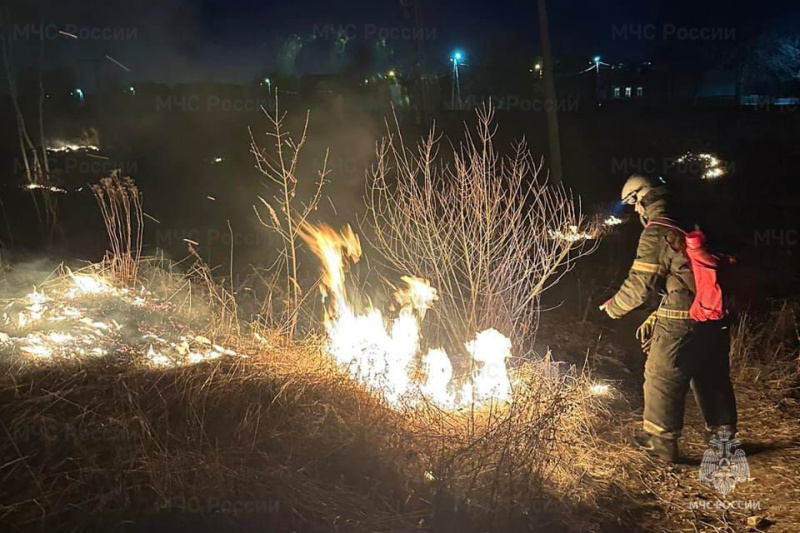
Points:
(660, 263)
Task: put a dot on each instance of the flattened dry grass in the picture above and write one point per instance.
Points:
(103, 441)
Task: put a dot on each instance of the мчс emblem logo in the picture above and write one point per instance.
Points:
(724, 467)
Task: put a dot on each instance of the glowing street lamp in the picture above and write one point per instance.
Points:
(597, 64)
(455, 88)
(79, 93)
(594, 64)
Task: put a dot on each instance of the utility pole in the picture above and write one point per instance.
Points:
(550, 104)
(419, 80)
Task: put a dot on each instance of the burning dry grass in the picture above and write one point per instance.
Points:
(284, 438)
(187, 414)
(90, 313)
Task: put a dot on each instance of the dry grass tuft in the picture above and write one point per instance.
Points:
(766, 346)
(120, 204)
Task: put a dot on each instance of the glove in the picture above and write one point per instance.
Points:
(607, 308)
(645, 332)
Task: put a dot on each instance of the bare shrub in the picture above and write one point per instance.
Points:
(285, 212)
(484, 228)
(120, 205)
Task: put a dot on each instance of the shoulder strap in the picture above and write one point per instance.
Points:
(666, 222)
(669, 223)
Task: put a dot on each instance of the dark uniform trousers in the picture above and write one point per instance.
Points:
(684, 354)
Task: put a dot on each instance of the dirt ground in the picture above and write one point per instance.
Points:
(667, 494)
(669, 498)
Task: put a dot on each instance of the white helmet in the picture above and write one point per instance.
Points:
(636, 188)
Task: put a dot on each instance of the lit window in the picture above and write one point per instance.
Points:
(627, 92)
(616, 92)
(640, 91)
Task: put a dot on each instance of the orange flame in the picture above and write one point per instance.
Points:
(382, 353)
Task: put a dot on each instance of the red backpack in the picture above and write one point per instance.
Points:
(709, 300)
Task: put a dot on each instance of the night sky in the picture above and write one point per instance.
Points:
(233, 40)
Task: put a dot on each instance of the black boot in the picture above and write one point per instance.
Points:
(661, 447)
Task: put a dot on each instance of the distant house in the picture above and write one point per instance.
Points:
(650, 85)
(642, 84)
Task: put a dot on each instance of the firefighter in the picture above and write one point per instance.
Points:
(681, 352)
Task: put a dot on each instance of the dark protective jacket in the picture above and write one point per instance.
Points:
(660, 264)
